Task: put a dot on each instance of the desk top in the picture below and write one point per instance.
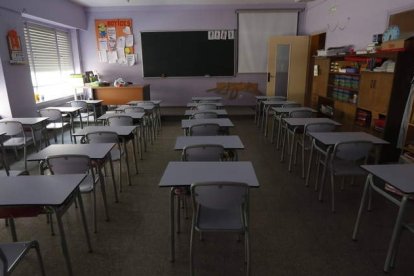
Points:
(267, 97)
(46, 190)
(134, 115)
(227, 141)
(278, 102)
(94, 102)
(331, 138)
(121, 108)
(94, 150)
(65, 109)
(223, 122)
(290, 109)
(304, 121)
(185, 173)
(27, 121)
(398, 175)
(120, 130)
(220, 112)
(156, 102)
(196, 104)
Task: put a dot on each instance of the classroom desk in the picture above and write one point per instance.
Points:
(94, 104)
(71, 111)
(148, 109)
(329, 139)
(135, 115)
(266, 107)
(258, 108)
(32, 123)
(197, 99)
(219, 112)
(222, 122)
(57, 192)
(399, 176)
(156, 102)
(283, 112)
(183, 174)
(194, 105)
(299, 123)
(98, 151)
(157, 110)
(125, 133)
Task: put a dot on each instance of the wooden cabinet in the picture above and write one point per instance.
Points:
(375, 91)
(320, 80)
(121, 95)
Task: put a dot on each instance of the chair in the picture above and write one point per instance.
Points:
(56, 122)
(220, 207)
(79, 164)
(17, 138)
(278, 118)
(305, 143)
(204, 115)
(205, 152)
(206, 106)
(12, 253)
(145, 122)
(84, 112)
(116, 152)
(345, 160)
(204, 129)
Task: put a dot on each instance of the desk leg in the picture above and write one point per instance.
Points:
(127, 161)
(80, 119)
(172, 222)
(85, 225)
(361, 206)
(292, 146)
(134, 148)
(111, 165)
(63, 241)
(309, 165)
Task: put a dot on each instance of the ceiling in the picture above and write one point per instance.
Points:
(113, 3)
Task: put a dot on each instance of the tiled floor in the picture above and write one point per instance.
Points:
(292, 233)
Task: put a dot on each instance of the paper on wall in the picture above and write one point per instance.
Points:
(103, 44)
(111, 33)
(217, 35)
(103, 56)
(210, 35)
(112, 56)
(120, 42)
(126, 30)
(129, 41)
(223, 35)
(130, 59)
(121, 55)
(230, 34)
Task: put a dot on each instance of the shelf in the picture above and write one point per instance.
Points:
(343, 88)
(411, 124)
(346, 74)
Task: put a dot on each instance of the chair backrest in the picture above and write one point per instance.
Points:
(12, 128)
(102, 137)
(81, 104)
(120, 120)
(132, 109)
(320, 127)
(206, 106)
(148, 104)
(353, 151)
(301, 114)
(209, 101)
(54, 115)
(204, 115)
(205, 152)
(3, 159)
(204, 129)
(220, 195)
(291, 105)
(68, 164)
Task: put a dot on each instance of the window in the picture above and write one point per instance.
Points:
(49, 52)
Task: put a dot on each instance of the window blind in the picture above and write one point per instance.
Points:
(49, 51)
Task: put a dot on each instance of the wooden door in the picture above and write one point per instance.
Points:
(287, 67)
(365, 95)
(382, 90)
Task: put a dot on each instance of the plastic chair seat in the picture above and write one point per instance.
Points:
(17, 142)
(87, 184)
(214, 219)
(57, 125)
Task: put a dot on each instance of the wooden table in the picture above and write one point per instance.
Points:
(399, 176)
(57, 192)
(183, 174)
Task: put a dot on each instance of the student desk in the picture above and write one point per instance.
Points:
(219, 112)
(194, 105)
(155, 102)
(266, 107)
(222, 122)
(229, 142)
(32, 123)
(399, 176)
(283, 112)
(135, 115)
(183, 174)
(94, 104)
(258, 108)
(98, 151)
(125, 133)
(71, 111)
(57, 192)
(197, 99)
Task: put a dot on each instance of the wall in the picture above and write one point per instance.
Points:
(16, 90)
(172, 91)
(366, 18)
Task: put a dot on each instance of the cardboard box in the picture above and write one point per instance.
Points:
(398, 44)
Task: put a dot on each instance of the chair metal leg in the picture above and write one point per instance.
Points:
(361, 207)
(309, 166)
(172, 222)
(127, 162)
(35, 245)
(111, 166)
(333, 191)
(13, 229)
(84, 222)
(63, 243)
(178, 214)
(135, 155)
(103, 191)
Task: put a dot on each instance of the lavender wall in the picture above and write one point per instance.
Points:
(173, 91)
(366, 18)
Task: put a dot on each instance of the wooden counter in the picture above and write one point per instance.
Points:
(121, 95)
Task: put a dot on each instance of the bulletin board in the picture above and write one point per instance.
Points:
(115, 41)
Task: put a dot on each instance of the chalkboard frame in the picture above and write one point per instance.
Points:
(218, 58)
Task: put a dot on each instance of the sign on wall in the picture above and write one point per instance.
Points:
(115, 41)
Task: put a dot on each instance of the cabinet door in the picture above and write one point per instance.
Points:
(382, 91)
(365, 95)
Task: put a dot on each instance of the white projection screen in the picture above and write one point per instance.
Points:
(254, 30)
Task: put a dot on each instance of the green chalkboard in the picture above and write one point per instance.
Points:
(187, 54)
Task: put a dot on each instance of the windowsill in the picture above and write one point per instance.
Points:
(55, 102)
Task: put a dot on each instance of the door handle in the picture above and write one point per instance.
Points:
(268, 77)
